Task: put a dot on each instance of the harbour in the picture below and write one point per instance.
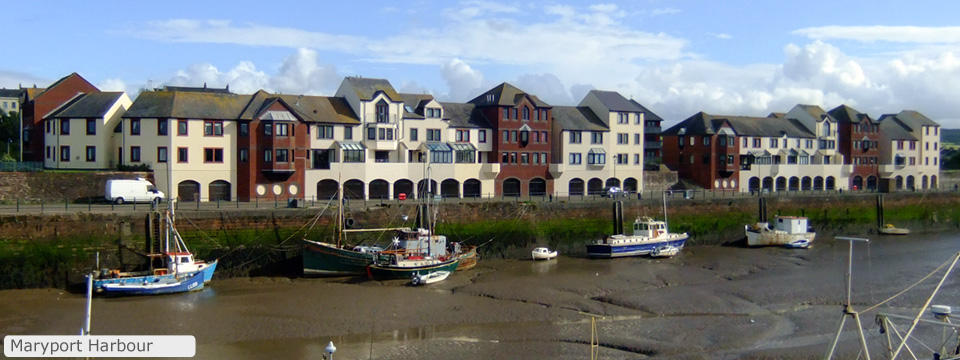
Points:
(708, 302)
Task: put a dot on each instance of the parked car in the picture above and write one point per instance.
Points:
(139, 190)
(612, 192)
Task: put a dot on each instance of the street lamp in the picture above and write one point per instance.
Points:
(330, 350)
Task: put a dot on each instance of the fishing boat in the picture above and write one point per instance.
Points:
(648, 236)
(467, 255)
(786, 230)
(429, 278)
(169, 261)
(542, 253)
(399, 266)
(158, 286)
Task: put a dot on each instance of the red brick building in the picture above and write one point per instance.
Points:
(859, 142)
(38, 104)
(703, 149)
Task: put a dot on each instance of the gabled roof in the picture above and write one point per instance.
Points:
(705, 124)
(205, 89)
(61, 80)
(814, 111)
(367, 88)
(10, 93)
(915, 118)
(32, 93)
(506, 95)
(415, 102)
(844, 113)
(893, 128)
(777, 115)
(93, 105)
(465, 116)
(647, 114)
(616, 102)
(578, 118)
(320, 109)
(187, 105)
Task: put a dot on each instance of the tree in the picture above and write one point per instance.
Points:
(10, 132)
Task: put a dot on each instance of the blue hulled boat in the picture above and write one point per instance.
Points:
(156, 287)
(648, 237)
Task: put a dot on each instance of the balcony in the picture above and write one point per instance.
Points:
(557, 169)
(652, 130)
(652, 145)
(278, 171)
(372, 118)
(889, 169)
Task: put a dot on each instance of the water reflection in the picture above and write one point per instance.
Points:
(544, 266)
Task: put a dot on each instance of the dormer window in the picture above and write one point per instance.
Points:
(826, 128)
(383, 112)
(433, 113)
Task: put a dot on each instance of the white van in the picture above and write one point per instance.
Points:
(139, 190)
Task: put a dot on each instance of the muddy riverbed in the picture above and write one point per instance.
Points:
(709, 302)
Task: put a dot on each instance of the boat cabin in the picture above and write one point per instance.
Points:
(648, 227)
(420, 241)
(790, 224)
(181, 262)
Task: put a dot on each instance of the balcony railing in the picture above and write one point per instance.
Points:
(374, 118)
(652, 130)
(652, 145)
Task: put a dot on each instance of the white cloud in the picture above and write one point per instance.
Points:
(112, 85)
(547, 87)
(300, 73)
(721, 36)
(902, 34)
(463, 81)
(472, 9)
(664, 11)
(14, 79)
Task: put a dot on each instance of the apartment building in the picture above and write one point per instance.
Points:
(909, 152)
(859, 143)
(39, 103)
(9, 100)
(78, 134)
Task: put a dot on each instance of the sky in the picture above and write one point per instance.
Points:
(675, 57)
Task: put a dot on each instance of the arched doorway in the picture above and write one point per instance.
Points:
(594, 186)
(805, 183)
(575, 187)
(403, 186)
(794, 184)
(630, 184)
(188, 190)
(754, 184)
(472, 188)
(538, 187)
(857, 183)
(872, 183)
(781, 183)
(923, 182)
(424, 190)
(511, 187)
(831, 183)
(219, 190)
(911, 183)
(613, 182)
(450, 188)
(379, 189)
(933, 182)
(768, 183)
(818, 183)
(327, 189)
(353, 189)
(898, 182)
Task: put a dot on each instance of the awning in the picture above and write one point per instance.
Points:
(792, 152)
(437, 146)
(463, 147)
(597, 151)
(351, 145)
(278, 115)
(803, 153)
(759, 153)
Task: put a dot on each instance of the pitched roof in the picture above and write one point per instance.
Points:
(893, 128)
(32, 93)
(578, 118)
(60, 81)
(93, 105)
(205, 89)
(506, 95)
(814, 111)
(844, 113)
(777, 115)
(465, 116)
(187, 105)
(414, 102)
(322, 109)
(10, 93)
(915, 118)
(616, 102)
(367, 88)
(705, 124)
(647, 114)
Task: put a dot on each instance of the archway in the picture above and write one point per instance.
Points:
(630, 184)
(188, 190)
(219, 190)
(754, 184)
(768, 183)
(831, 183)
(872, 183)
(403, 186)
(856, 183)
(353, 189)
(898, 182)
(923, 182)
(594, 186)
(575, 187)
(933, 182)
(511, 187)
(613, 182)
(379, 189)
(327, 189)
(794, 183)
(805, 183)
(818, 183)
(424, 190)
(911, 183)
(450, 188)
(538, 187)
(472, 188)
(781, 183)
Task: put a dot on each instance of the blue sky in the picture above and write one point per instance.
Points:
(676, 57)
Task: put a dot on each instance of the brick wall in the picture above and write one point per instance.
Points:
(59, 186)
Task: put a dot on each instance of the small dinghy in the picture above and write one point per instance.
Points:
(798, 244)
(665, 251)
(429, 278)
(542, 253)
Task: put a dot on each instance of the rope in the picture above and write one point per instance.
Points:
(911, 286)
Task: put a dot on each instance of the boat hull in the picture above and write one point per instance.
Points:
(548, 256)
(386, 272)
(633, 249)
(434, 277)
(775, 238)
(893, 231)
(158, 287)
(468, 258)
(321, 259)
(207, 273)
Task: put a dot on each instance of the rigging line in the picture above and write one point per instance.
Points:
(199, 229)
(914, 339)
(317, 217)
(911, 286)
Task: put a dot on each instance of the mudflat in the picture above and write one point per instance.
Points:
(709, 302)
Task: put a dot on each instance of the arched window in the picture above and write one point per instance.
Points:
(383, 112)
(826, 128)
(526, 113)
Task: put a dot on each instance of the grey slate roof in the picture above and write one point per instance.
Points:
(187, 105)
(578, 119)
(616, 102)
(465, 116)
(844, 113)
(506, 95)
(367, 88)
(197, 89)
(648, 115)
(93, 105)
(416, 102)
(912, 117)
(10, 93)
(706, 124)
(894, 129)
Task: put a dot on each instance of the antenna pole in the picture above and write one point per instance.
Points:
(847, 309)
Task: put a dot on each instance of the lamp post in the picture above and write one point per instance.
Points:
(330, 350)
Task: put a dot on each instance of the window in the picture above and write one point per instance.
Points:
(513, 158)
(524, 136)
(827, 144)
(623, 139)
(756, 142)
(706, 140)
(413, 134)
(347, 133)
(596, 137)
(596, 158)
(536, 158)
(65, 153)
(243, 155)
(283, 155)
(489, 97)
(433, 135)
(536, 136)
(482, 136)
(441, 156)
(746, 142)
(576, 137)
(64, 126)
(926, 146)
(463, 135)
(182, 155)
(524, 158)
(505, 158)
(323, 131)
(513, 114)
(244, 128)
(536, 114)
(723, 141)
(268, 128)
(680, 140)
(636, 139)
(386, 134)
(283, 129)
(353, 156)
(181, 127)
(513, 136)
(162, 154)
(212, 155)
(623, 159)
(383, 112)
(91, 127)
(526, 113)
(134, 154)
(913, 160)
(213, 128)
(433, 113)
(371, 133)
(913, 145)
(809, 144)
(47, 123)
(466, 156)
(506, 113)
(636, 159)
(637, 120)
(544, 158)
(135, 127)
(91, 153)
(774, 143)
(623, 118)
(268, 155)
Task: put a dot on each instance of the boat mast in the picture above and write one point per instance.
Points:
(340, 233)
(666, 228)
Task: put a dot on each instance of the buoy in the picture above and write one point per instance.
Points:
(349, 223)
